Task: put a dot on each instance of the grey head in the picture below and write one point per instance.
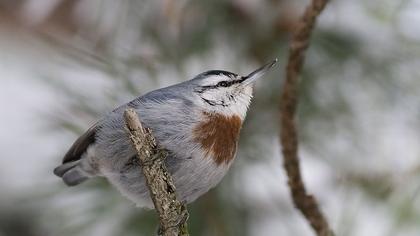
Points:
(225, 92)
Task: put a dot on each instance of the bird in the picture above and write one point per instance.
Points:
(197, 122)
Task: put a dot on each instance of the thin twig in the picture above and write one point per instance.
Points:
(172, 213)
(303, 201)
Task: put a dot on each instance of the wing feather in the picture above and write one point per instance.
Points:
(80, 145)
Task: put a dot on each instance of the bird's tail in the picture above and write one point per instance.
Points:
(72, 173)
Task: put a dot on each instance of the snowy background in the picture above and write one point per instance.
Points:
(63, 64)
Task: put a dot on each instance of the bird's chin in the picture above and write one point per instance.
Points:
(247, 90)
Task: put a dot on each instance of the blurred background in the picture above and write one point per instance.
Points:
(65, 63)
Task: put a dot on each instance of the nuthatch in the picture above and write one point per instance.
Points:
(197, 122)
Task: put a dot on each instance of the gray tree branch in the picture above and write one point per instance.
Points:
(172, 213)
(303, 201)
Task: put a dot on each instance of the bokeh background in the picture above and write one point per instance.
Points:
(64, 63)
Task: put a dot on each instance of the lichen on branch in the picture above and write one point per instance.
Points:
(172, 213)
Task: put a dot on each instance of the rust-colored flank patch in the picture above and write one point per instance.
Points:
(218, 136)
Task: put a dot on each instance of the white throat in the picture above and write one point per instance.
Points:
(230, 104)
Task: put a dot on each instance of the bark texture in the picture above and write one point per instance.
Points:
(303, 201)
(172, 213)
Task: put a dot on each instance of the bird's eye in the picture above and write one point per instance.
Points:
(223, 84)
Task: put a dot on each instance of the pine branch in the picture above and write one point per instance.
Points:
(303, 201)
(172, 213)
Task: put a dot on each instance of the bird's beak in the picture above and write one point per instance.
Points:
(253, 76)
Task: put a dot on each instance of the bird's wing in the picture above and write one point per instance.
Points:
(155, 97)
(80, 145)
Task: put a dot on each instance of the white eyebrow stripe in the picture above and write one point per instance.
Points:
(214, 79)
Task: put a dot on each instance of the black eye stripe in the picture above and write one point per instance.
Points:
(225, 83)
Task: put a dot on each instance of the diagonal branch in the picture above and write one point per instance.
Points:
(172, 213)
(303, 201)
